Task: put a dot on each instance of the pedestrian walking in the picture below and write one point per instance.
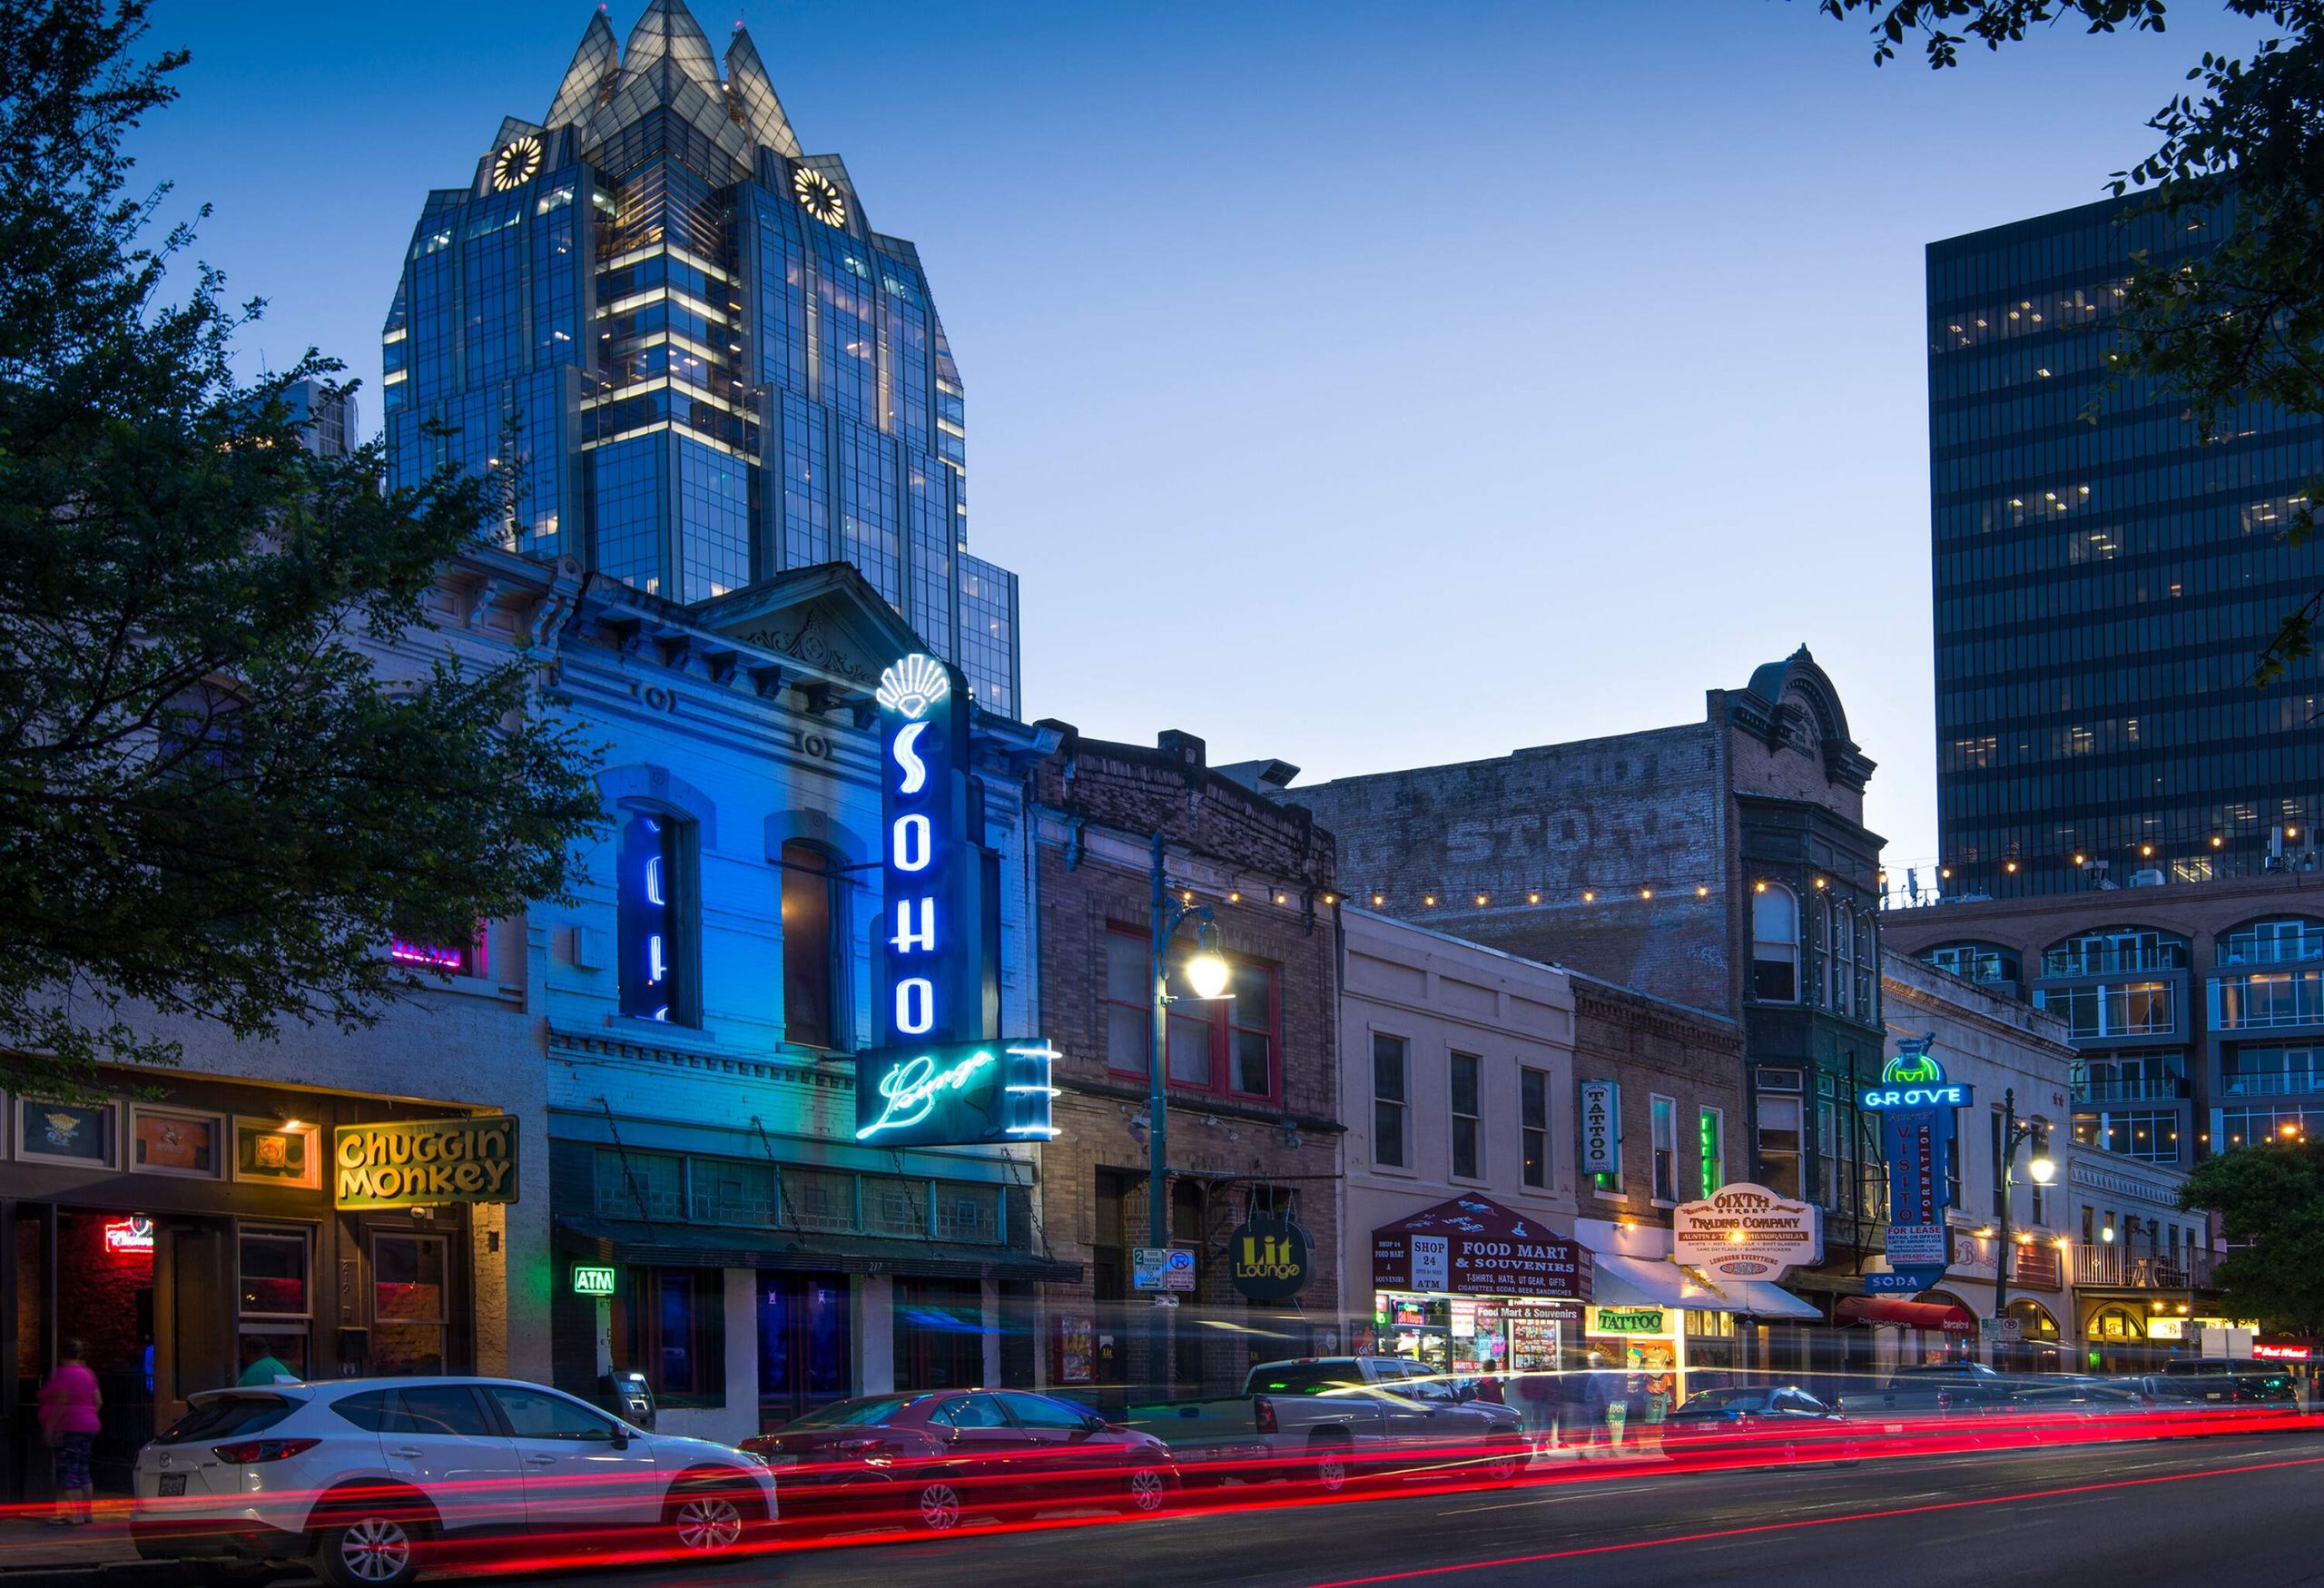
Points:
(1597, 1408)
(69, 1403)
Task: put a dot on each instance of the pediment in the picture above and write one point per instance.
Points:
(828, 619)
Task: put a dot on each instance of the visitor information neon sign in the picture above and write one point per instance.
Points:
(939, 1076)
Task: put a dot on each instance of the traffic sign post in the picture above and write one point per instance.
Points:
(1165, 1269)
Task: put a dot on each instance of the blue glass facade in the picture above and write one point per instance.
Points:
(707, 365)
(2102, 590)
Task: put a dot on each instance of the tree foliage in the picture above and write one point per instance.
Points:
(2244, 324)
(2269, 1198)
(215, 802)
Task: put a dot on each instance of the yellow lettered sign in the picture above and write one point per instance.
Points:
(417, 1163)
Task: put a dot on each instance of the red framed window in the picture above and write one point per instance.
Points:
(1232, 1048)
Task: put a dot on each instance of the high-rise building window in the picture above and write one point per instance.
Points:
(811, 960)
(1391, 1105)
(1462, 1086)
(654, 916)
(1775, 944)
(1533, 1125)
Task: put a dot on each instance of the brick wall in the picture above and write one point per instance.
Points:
(1099, 805)
(1649, 1047)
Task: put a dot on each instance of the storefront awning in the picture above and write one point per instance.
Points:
(682, 1245)
(1913, 1315)
(1635, 1281)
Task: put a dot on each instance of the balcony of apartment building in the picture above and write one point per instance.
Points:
(2103, 1266)
(1988, 965)
(2117, 984)
(2270, 978)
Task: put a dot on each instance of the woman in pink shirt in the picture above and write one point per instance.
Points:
(68, 1422)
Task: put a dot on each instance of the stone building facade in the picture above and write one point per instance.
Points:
(1721, 864)
(1252, 1114)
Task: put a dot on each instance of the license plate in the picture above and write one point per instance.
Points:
(172, 1483)
(773, 1459)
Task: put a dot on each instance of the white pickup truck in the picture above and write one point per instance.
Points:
(1325, 1419)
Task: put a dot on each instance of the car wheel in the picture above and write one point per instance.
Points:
(1790, 1453)
(372, 1549)
(1851, 1454)
(1505, 1467)
(1333, 1468)
(939, 1507)
(705, 1521)
(1149, 1491)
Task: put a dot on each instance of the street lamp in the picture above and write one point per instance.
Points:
(2041, 1165)
(1207, 975)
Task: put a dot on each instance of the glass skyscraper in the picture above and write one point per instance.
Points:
(2103, 590)
(704, 365)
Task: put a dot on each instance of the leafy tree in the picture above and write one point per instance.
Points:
(213, 803)
(2269, 1198)
(2245, 323)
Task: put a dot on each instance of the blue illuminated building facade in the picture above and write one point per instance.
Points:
(702, 365)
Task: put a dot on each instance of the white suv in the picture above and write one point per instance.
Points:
(360, 1477)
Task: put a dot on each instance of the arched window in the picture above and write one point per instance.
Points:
(812, 978)
(655, 916)
(1775, 944)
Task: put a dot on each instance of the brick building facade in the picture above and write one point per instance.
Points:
(1252, 1118)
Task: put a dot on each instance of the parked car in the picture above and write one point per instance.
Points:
(929, 1460)
(363, 1480)
(1935, 1389)
(2203, 1397)
(1326, 1419)
(1776, 1423)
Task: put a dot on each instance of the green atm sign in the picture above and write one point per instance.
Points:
(593, 1281)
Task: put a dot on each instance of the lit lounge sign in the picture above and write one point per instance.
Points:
(420, 1163)
(938, 1078)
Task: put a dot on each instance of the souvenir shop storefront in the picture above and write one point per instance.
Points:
(1675, 1328)
(1471, 1289)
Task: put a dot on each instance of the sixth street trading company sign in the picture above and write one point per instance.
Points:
(1744, 1231)
(939, 1079)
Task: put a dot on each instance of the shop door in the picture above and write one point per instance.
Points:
(193, 1306)
(939, 1334)
(805, 1344)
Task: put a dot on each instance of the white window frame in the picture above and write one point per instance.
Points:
(1404, 1105)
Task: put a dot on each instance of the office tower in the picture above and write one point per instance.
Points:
(2103, 589)
(702, 363)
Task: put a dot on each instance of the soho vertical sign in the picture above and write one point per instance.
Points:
(939, 1077)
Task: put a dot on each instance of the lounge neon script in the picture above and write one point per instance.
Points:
(910, 1090)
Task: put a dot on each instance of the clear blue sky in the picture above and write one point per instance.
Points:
(1367, 385)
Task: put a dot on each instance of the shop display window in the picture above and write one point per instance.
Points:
(280, 1152)
(410, 1305)
(168, 1141)
(74, 1133)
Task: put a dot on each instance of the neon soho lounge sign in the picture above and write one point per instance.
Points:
(938, 1080)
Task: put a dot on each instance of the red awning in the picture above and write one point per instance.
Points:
(1913, 1315)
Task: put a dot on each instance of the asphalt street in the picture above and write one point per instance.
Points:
(2246, 1511)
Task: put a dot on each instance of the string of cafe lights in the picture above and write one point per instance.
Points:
(2152, 854)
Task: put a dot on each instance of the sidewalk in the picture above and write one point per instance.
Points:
(32, 1553)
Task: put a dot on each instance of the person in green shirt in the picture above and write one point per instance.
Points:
(261, 1365)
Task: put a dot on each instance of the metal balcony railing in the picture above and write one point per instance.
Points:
(2160, 1088)
(2109, 1263)
(2264, 1000)
(2271, 1084)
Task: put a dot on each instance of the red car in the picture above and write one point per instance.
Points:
(927, 1461)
